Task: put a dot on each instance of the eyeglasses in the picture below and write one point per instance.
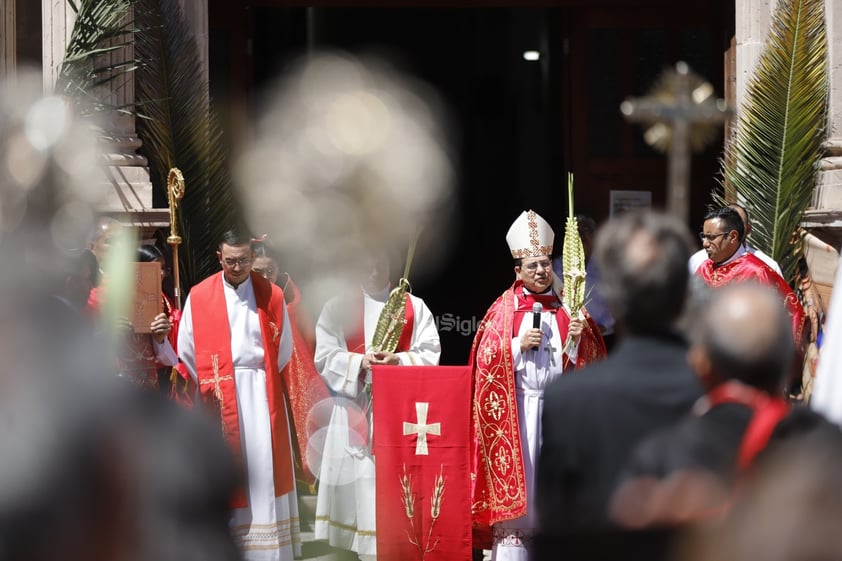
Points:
(242, 262)
(711, 237)
(531, 267)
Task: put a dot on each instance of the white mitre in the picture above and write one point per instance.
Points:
(530, 236)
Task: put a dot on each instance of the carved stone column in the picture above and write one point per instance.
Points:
(8, 39)
(826, 218)
(753, 19)
(130, 197)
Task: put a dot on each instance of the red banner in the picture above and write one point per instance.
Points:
(422, 417)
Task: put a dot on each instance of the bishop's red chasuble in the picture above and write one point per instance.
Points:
(215, 369)
(497, 466)
(747, 267)
(422, 453)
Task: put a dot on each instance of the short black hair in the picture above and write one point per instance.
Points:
(730, 217)
(235, 236)
(147, 253)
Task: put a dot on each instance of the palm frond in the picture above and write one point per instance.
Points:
(178, 129)
(772, 161)
(95, 54)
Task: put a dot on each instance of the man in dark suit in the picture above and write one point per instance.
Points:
(594, 417)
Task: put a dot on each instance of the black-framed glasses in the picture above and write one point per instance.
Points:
(711, 237)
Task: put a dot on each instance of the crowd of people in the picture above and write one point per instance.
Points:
(625, 450)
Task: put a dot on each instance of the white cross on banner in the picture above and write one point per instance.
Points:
(421, 428)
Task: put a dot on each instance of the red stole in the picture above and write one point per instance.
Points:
(767, 412)
(498, 478)
(355, 341)
(303, 381)
(215, 369)
(747, 267)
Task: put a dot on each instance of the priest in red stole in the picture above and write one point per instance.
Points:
(517, 351)
(345, 508)
(729, 262)
(303, 380)
(235, 340)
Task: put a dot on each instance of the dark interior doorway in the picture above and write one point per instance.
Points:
(502, 111)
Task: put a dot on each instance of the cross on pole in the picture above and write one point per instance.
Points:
(421, 428)
(684, 115)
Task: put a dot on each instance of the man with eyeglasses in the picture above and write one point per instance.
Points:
(513, 360)
(235, 340)
(700, 256)
(729, 262)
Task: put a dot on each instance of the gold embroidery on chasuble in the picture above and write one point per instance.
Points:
(276, 332)
(500, 479)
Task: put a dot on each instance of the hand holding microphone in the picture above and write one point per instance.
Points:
(532, 338)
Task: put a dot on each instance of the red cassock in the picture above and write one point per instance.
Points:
(747, 268)
(422, 455)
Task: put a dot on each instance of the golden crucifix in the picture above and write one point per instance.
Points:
(175, 192)
(684, 116)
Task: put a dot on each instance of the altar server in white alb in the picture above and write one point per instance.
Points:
(235, 340)
(345, 513)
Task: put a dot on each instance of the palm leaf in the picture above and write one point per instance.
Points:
(773, 161)
(95, 54)
(179, 129)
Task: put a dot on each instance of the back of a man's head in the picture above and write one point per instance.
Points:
(643, 258)
(746, 335)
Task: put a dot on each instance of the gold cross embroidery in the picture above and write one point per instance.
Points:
(217, 389)
(421, 428)
(275, 331)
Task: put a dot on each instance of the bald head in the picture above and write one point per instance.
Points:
(746, 336)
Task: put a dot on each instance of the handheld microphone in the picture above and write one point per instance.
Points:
(537, 308)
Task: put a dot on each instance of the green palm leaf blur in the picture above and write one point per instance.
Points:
(772, 162)
(179, 129)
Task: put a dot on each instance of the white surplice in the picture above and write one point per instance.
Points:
(534, 370)
(345, 507)
(268, 528)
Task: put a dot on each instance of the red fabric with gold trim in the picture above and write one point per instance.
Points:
(422, 498)
(304, 382)
(215, 369)
(498, 478)
(747, 267)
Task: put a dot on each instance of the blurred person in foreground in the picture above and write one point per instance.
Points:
(742, 351)
(345, 510)
(593, 418)
(95, 471)
(235, 340)
(526, 339)
(728, 262)
(788, 510)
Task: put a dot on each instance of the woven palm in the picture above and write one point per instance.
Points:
(573, 258)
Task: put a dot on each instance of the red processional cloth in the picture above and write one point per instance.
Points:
(422, 418)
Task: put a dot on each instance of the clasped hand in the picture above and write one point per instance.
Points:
(381, 357)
